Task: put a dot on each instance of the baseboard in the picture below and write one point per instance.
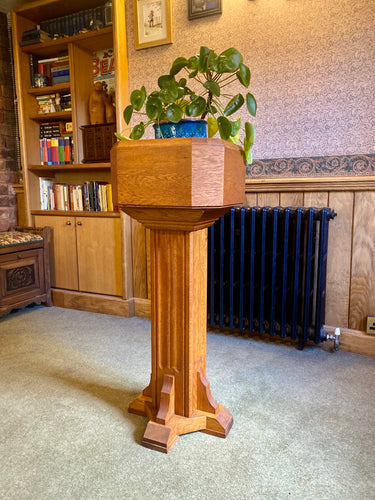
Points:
(354, 340)
(142, 307)
(92, 302)
(350, 340)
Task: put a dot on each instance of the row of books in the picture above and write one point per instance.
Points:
(56, 150)
(47, 130)
(91, 196)
(78, 22)
(54, 70)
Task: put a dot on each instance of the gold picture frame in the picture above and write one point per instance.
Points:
(152, 23)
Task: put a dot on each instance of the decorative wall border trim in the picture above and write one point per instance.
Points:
(319, 166)
(311, 184)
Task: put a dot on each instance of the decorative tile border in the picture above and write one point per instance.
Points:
(319, 166)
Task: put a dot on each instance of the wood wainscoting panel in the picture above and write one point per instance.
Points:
(291, 199)
(268, 199)
(362, 293)
(251, 199)
(315, 199)
(338, 260)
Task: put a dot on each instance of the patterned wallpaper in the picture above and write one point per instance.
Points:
(321, 166)
(312, 73)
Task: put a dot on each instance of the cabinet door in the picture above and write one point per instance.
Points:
(64, 269)
(99, 255)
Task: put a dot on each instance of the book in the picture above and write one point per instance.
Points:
(60, 79)
(33, 65)
(32, 36)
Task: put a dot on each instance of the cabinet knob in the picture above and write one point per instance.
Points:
(68, 223)
(79, 223)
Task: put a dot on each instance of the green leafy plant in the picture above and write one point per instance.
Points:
(174, 100)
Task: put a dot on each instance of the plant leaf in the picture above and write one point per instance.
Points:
(234, 104)
(236, 125)
(177, 65)
(128, 111)
(137, 131)
(213, 87)
(213, 61)
(169, 94)
(234, 138)
(122, 137)
(196, 107)
(182, 103)
(203, 59)
(229, 61)
(212, 110)
(154, 108)
(248, 154)
(212, 126)
(243, 74)
(193, 62)
(165, 81)
(137, 98)
(251, 104)
(225, 127)
(174, 113)
(249, 133)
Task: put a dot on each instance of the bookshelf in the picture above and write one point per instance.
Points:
(84, 241)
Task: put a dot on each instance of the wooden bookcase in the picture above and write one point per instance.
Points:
(90, 249)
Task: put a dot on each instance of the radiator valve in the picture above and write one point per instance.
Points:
(336, 339)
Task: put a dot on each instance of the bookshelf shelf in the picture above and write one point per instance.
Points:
(92, 40)
(59, 87)
(71, 167)
(50, 117)
(76, 213)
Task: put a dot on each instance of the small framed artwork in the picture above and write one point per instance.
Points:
(152, 22)
(202, 8)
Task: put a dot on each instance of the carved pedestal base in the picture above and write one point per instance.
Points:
(165, 426)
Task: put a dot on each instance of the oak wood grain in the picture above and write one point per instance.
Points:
(317, 199)
(188, 172)
(291, 199)
(362, 293)
(268, 199)
(139, 260)
(339, 259)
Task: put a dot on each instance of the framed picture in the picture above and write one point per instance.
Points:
(202, 8)
(153, 23)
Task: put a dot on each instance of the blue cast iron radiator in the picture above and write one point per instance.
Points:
(267, 271)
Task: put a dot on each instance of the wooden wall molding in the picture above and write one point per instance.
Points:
(311, 184)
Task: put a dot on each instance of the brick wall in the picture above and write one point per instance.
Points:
(8, 164)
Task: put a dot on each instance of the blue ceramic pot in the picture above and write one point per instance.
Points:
(184, 128)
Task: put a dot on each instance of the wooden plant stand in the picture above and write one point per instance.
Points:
(177, 188)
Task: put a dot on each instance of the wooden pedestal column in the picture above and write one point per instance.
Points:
(178, 399)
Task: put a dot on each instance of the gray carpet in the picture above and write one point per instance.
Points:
(303, 421)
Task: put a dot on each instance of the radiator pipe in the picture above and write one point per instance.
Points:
(336, 339)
